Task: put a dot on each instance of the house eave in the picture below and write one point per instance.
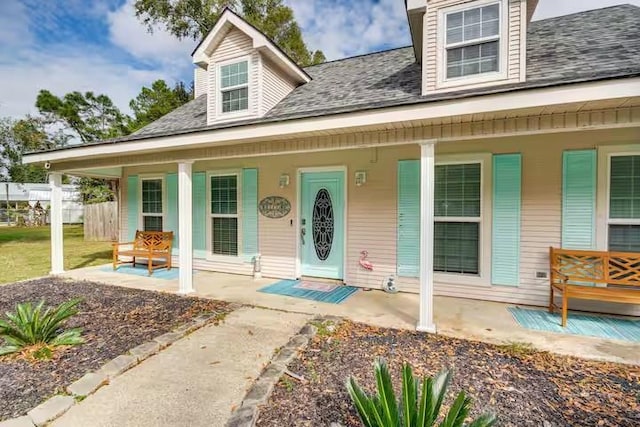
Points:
(590, 92)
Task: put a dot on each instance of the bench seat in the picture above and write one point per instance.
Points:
(153, 246)
(601, 276)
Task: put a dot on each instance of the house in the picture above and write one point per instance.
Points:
(455, 162)
(21, 197)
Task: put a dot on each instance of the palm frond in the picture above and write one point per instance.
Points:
(386, 393)
(32, 324)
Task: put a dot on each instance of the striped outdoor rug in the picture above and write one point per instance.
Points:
(161, 273)
(593, 325)
(292, 288)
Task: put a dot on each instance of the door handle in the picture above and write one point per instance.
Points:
(303, 231)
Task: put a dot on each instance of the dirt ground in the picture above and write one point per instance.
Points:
(113, 319)
(524, 387)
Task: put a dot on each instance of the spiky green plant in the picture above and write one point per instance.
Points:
(415, 409)
(32, 325)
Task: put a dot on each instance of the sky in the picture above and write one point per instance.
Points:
(99, 45)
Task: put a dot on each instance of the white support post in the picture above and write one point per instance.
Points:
(427, 176)
(55, 221)
(185, 227)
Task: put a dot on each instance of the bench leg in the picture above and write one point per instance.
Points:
(169, 262)
(551, 299)
(115, 260)
(134, 262)
(150, 266)
(565, 303)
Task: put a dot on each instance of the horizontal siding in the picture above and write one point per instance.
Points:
(372, 211)
(235, 44)
(200, 81)
(431, 67)
(275, 86)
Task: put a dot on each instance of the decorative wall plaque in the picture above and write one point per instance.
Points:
(274, 207)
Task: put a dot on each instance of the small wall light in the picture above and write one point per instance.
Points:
(284, 180)
(361, 178)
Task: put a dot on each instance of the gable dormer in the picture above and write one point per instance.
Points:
(465, 44)
(242, 72)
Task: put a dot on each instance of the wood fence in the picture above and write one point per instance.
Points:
(101, 222)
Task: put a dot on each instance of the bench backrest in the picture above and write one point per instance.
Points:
(156, 241)
(616, 268)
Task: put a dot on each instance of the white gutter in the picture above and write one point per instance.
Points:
(575, 93)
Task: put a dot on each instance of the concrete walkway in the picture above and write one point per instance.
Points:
(196, 381)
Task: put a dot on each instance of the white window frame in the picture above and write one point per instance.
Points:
(219, 89)
(483, 278)
(603, 220)
(502, 38)
(220, 257)
(142, 214)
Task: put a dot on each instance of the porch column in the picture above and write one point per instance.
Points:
(185, 227)
(55, 222)
(427, 176)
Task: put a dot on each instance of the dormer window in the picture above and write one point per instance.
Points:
(234, 86)
(472, 41)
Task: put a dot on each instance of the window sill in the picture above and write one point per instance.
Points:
(225, 259)
(461, 279)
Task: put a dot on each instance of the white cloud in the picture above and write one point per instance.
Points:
(126, 32)
(346, 28)
(26, 67)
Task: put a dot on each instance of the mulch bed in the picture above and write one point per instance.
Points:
(113, 319)
(523, 387)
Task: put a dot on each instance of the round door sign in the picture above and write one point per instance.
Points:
(274, 207)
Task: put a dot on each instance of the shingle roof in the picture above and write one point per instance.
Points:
(592, 45)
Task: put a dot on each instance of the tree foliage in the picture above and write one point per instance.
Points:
(87, 116)
(156, 101)
(196, 18)
(18, 137)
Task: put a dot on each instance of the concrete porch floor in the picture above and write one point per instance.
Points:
(462, 318)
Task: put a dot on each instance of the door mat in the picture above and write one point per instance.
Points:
(592, 325)
(291, 288)
(316, 286)
(161, 273)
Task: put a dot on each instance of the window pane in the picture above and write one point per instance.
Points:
(457, 190)
(152, 223)
(456, 247)
(234, 74)
(474, 59)
(224, 194)
(624, 193)
(224, 236)
(235, 100)
(151, 196)
(624, 238)
(473, 24)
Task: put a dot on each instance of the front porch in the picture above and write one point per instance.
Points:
(457, 317)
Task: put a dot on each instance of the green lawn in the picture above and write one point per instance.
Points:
(24, 252)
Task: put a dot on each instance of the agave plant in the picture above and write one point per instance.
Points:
(33, 325)
(415, 410)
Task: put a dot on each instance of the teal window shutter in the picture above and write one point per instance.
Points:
(133, 206)
(507, 199)
(249, 213)
(408, 233)
(199, 214)
(172, 207)
(578, 199)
